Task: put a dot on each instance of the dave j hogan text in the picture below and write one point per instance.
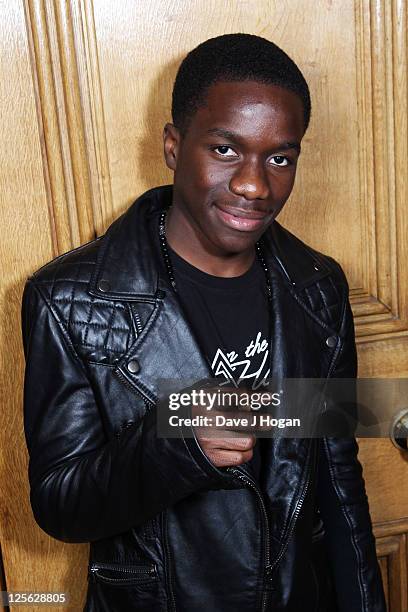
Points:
(253, 421)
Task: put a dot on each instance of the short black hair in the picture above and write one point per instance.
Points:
(233, 57)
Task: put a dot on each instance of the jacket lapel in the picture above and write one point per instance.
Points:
(166, 352)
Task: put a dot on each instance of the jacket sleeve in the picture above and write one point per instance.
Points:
(84, 486)
(344, 506)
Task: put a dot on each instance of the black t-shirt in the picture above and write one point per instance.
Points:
(229, 317)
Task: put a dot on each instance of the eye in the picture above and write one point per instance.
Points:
(223, 150)
(280, 160)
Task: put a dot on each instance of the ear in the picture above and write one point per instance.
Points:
(171, 142)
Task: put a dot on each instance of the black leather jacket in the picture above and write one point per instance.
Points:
(168, 530)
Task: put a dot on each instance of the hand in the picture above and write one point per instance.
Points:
(230, 444)
(229, 451)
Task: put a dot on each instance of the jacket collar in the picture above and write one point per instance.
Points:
(130, 267)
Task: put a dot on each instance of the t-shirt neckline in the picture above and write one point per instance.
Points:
(188, 271)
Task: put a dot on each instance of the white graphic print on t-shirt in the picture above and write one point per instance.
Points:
(252, 365)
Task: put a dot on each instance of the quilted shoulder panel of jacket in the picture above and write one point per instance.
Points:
(316, 279)
(101, 330)
(326, 298)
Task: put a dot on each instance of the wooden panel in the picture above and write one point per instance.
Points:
(25, 222)
(386, 475)
(43, 212)
(392, 552)
(380, 301)
(381, 356)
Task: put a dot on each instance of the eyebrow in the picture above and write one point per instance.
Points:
(233, 137)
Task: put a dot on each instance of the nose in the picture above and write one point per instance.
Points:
(250, 181)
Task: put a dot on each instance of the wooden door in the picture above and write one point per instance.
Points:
(84, 92)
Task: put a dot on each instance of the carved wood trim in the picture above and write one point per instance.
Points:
(60, 121)
(392, 552)
(93, 112)
(391, 528)
(380, 306)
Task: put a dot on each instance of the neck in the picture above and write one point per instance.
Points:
(200, 253)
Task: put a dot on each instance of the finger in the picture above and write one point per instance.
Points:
(241, 442)
(222, 458)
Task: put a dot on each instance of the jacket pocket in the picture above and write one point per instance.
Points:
(122, 574)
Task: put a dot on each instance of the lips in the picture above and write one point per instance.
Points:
(240, 219)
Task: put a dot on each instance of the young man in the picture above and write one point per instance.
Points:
(195, 280)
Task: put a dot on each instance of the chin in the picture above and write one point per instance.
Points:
(235, 245)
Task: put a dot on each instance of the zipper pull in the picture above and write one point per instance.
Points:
(92, 573)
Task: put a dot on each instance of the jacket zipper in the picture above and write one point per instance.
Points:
(138, 322)
(134, 571)
(168, 561)
(333, 481)
(135, 316)
(245, 479)
(268, 566)
(293, 520)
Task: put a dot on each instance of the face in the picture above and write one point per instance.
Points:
(235, 167)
